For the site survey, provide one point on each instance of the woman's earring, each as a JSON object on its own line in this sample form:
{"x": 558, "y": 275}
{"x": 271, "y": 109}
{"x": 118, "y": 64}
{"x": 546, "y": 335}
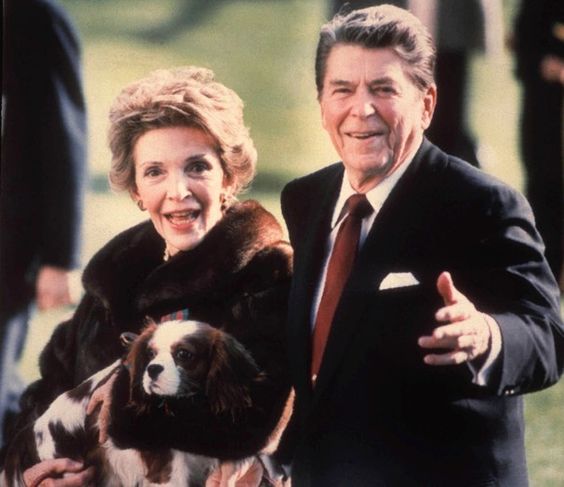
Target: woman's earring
{"x": 140, "y": 205}
{"x": 226, "y": 200}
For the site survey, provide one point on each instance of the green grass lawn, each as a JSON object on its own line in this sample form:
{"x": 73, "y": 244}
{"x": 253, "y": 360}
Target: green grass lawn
{"x": 265, "y": 50}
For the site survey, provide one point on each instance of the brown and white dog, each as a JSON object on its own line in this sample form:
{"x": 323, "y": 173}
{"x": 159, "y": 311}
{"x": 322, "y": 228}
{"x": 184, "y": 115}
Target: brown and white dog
{"x": 186, "y": 396}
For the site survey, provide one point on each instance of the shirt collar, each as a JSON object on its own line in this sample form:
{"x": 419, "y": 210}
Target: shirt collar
{"x": 376, "y": 196}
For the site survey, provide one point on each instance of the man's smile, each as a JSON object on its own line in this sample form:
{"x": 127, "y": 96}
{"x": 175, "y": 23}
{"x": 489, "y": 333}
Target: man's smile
{"x": 362, "y": 135}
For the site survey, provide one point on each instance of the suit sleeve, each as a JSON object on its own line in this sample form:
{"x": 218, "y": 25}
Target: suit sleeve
{"x": 510, "y": 280}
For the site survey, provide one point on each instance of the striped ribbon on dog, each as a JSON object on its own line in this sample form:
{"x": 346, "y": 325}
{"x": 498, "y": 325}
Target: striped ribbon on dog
{"x": 181, "y": 314}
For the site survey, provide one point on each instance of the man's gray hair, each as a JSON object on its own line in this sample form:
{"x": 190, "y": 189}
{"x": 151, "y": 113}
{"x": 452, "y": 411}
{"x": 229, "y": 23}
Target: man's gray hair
{"x": 383, "y": 26}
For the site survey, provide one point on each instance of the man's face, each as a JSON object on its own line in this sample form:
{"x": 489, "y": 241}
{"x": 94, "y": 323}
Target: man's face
{"x": 372, "y": 111}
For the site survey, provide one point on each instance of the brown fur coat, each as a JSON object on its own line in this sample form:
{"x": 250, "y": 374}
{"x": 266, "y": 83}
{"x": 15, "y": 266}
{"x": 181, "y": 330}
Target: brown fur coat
{"x": 237, "y": 279}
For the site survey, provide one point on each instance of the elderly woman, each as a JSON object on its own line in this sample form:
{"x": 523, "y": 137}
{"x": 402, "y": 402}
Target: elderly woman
{"x": 180, "y": 148}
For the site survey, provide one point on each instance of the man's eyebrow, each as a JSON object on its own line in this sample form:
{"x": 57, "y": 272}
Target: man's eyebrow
{"x": 340, "y": 82}
{"x": 385, "y": 80}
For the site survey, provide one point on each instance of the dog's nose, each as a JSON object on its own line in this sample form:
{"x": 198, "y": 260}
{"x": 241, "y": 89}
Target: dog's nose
{"x": 154, "y": 370}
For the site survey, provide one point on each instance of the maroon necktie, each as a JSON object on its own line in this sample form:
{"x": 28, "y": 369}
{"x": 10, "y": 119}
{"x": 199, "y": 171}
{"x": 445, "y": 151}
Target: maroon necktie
{"x": 338, "y": 270}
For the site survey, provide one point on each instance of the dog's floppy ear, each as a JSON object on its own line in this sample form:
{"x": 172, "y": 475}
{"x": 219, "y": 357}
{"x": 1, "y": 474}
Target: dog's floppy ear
{"x": 147, "y": 321}
{"x": 232, "y": 370}
{"x": 135, "y": 363}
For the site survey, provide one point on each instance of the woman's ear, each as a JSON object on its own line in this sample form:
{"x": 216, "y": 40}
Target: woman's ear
{"x": 227, "y": 186}
{"x": 226, "y": 197}
{"x": 134, "y": 194}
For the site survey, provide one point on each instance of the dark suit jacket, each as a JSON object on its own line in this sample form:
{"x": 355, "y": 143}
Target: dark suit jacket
{"x": 378, "y": 415}
{"x": 43, "y": 147}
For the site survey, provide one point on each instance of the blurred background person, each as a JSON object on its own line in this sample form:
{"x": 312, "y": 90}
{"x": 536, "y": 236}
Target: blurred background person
{"x": 460, "y": 28}
{"x": 43, "y": 164}
{"x": 539, "y": 52}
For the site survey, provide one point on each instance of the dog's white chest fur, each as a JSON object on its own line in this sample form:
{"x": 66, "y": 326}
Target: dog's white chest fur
{"x": 129, "y": 468}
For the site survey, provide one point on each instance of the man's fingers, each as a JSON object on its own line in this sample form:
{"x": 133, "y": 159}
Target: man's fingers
{"x": 446, "y": 288}
{"x": 454, "y": 330}
{"x": 462, "y": 341}
{"x": 452, "y": 358}
{"x": 465, "y": 336}
{"x": 455, "y": 312}
{"x": 448, "y": 343}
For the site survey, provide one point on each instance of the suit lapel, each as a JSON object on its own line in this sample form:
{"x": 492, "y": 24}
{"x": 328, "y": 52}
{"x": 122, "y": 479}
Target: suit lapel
{"x": 380, "y": 250}
{"x": 307, "y": 265}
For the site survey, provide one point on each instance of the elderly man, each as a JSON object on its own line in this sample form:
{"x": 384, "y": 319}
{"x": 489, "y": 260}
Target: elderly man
{"x": 422, "y": 306}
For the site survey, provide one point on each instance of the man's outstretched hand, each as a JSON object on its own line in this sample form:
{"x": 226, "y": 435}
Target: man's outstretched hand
{"x": 463, "y": 331}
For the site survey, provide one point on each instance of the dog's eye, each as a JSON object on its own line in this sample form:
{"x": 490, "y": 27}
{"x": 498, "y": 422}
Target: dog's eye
{"x": 183, "y": 355}
{"x": 151, "y": 353}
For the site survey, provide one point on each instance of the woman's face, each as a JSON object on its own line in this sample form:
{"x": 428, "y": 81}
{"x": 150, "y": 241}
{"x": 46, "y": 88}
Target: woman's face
{"x": 180, "y": 180}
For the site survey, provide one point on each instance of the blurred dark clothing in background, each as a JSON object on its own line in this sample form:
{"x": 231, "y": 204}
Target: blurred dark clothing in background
{"x": 42, "y": 168}
{"x": 539, "y": 52}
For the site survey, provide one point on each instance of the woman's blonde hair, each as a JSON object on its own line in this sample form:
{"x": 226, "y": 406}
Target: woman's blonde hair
{"x": 186, "y": 96}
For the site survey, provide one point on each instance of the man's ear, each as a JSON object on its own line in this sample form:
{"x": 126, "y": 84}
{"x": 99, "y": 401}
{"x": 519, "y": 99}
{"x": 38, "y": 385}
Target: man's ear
{"x": 429, "y": 104}
{"x": 322, "y": 111}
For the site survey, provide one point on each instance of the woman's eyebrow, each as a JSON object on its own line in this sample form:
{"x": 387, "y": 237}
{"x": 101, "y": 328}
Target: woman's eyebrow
{"x": 149, "y": 163}
{"x": 196, "y": 157}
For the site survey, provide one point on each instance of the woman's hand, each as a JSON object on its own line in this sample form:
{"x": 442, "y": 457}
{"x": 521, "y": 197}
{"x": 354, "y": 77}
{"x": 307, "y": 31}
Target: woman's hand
{"x": 61, "y": 472}
{"x": 102, "y": 397}
{"x": 244, "y": 473}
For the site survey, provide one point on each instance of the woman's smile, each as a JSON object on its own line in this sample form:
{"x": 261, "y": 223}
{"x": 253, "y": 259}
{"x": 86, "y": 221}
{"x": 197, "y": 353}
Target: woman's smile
{"x": 182, "y": 219}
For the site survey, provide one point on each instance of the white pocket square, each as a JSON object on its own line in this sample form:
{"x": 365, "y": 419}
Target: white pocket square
{"x": 398, "y": 279}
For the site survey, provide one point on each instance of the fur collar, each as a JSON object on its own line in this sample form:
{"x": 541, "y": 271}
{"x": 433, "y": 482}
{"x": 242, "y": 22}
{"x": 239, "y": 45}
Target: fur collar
{"x": 129, "y": 274}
